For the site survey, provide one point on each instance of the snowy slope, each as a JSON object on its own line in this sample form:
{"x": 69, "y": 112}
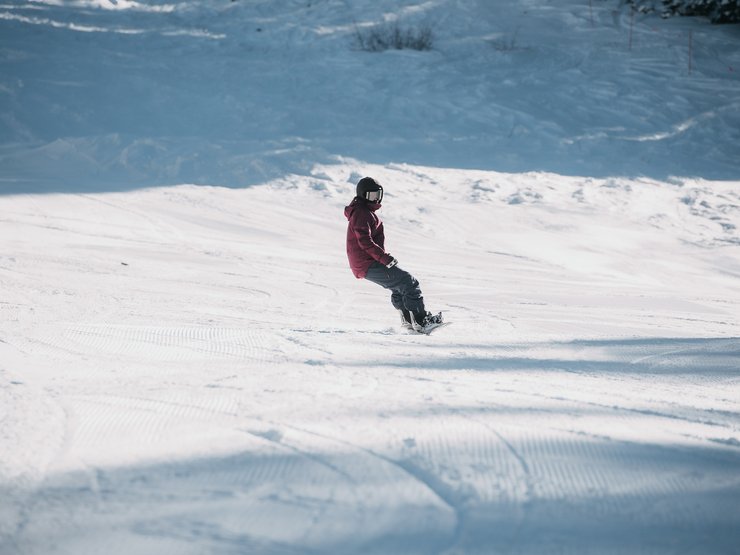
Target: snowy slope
{"x": 192, "y": 368}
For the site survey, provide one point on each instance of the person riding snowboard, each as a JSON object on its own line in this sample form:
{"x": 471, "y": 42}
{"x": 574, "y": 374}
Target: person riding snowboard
{"x": 369, "y": 260}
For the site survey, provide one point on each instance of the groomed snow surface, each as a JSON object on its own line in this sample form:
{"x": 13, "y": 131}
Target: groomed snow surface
{"x": 188, "y": 366}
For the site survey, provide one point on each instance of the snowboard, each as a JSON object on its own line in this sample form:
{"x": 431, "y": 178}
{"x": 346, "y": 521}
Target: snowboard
{"x": 431, "y": 330}
{"x": 440, "y": 323}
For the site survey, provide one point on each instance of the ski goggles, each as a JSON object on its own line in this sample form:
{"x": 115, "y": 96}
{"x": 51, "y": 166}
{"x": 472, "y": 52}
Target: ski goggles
{"x": 374, "y": 196}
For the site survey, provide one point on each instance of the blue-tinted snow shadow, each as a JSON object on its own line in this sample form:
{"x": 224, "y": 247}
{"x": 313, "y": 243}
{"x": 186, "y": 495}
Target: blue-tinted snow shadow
{"x": 669, "y": 356}
{"x": 311, "y": 503}
{"x": 120, "y": 163}
{"x": 235, "y": 112}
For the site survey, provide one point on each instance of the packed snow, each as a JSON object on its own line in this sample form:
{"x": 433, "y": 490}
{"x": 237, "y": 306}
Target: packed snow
{"x": 187, "y": 364}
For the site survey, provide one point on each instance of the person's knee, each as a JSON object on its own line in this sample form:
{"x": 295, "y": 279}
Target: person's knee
{"x": 411, "y": 282}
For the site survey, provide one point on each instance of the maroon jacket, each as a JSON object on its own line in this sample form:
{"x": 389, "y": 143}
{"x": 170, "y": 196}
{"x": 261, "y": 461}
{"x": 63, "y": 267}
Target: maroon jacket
{"x": 365, "y": 237}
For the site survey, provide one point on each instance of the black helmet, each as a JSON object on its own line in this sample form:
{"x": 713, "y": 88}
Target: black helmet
{"x": 370, "y": 190}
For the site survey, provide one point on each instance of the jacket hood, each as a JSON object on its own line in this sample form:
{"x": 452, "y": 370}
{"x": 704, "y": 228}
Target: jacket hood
{"x": 351, "y": 208}
{"x": 359, "y": 203}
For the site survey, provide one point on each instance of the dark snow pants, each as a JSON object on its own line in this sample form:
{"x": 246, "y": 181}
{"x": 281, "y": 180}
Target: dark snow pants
{"x": 406, "y": 293}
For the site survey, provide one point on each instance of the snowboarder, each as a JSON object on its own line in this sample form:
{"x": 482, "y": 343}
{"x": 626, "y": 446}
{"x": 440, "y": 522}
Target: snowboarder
{"x": 368, "y": 259}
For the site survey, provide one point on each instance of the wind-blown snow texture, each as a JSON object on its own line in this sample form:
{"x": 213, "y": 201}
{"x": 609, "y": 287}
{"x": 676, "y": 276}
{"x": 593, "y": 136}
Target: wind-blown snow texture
{"x": 233, "y": 93}
{"x": 192, "y": 368}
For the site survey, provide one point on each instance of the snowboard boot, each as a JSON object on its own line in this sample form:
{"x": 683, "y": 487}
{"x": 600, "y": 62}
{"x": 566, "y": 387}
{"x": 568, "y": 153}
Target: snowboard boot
{"x": 405, "y": 318}
{"x": 424, "y": 322}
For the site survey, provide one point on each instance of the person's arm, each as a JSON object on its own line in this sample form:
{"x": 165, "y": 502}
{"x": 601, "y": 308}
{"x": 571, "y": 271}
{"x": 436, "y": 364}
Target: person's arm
{"x": 362, "y": 228}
